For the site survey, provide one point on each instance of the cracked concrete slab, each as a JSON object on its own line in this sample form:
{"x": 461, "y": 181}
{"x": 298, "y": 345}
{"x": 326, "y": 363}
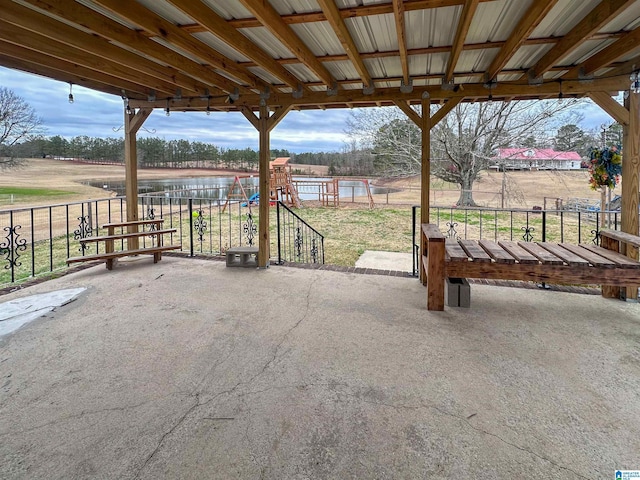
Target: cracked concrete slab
{"x": 188, "y": 369}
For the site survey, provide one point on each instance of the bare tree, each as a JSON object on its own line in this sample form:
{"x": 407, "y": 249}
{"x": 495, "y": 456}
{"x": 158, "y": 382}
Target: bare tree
{"x": 18, "y": 123}
{"x": 463, "y": 143}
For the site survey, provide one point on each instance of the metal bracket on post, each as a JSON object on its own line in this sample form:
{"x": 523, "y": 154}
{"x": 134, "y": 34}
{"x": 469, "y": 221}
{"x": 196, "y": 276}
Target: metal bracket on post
{"x": 151, "y": 97}
{"x": 449, "y": 86}
{"x": 333, "y": 91}
{"x": 369, "y": 90}
{"x": 297, "y": 93}
{"x": 534, "y": 80}
{"x": 406, "y": 88}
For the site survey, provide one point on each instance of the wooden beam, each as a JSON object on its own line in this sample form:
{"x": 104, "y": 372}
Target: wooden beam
{"x": 144, "y": 18}
{"x": 271, "y": 19}
{"x": 464, "y": 22}
{"x": 618, "y": 112}
{"x": 357, "y": 97}
{"x": 631, "y": 177}
{"x": 610, "y": 54}
{"x": 77, "y": 14}
{"x": 18, "y": 36}
{"x": 444, "y": 109}
{"x": 264, "y": 189}
{"x": 597, "y": 18}
{"x": 352, "y": 12}
{"x": 529, "y": 21}
{"x": 30, "y": 20}
{"x": 398, "y": 14}
{"x": 138, "y": 119}
{"x": 249, "y": 115}
{"x": 336, "y": 21}
{"x": 409, "y": 112}
{"x": 425, "y": 173}
{"x": 41, "y": 64}
{"x": 219, "y": 27}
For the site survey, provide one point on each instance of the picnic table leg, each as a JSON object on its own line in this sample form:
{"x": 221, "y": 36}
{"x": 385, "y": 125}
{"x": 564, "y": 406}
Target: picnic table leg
{"x": 610, "y": 244}
{"x": 435, "y": 276}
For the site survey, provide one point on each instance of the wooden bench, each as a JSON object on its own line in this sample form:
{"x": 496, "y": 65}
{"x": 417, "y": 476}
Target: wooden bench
{"x": 111, "y": 255}
{"x": 605, "y": 265}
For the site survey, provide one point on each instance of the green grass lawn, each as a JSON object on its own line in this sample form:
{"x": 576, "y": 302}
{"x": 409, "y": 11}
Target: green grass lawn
{"x": 25, "y": 194}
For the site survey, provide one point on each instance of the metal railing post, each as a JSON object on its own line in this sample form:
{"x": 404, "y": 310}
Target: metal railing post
{"x": 191, "y": 226}
{"x": 278, "y": 229}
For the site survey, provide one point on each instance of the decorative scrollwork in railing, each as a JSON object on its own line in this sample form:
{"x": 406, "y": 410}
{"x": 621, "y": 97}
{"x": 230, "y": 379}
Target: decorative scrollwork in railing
{"x": 200, "y": 225}
{"x": 596, "y": 237}
{"x": 250, "y": 229}
{"x": 452, "y": 232}
{"x": 84, "y": 230}
{"x": 12, "y": 247}
{"x": 298, "y": 242}
{"x": 528, "y": 235}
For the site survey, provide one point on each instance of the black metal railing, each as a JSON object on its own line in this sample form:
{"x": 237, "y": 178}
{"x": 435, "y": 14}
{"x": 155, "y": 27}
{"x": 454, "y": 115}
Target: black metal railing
{"x": 297, "y": 241}
{"x": 528, "y": 225}
{"x": 37, "y": 241}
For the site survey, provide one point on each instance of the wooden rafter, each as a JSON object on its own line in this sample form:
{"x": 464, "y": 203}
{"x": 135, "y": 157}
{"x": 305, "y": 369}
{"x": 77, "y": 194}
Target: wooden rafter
{"x": 77, "y": 14}
{"x": 15, "y": 35}
{"x": 155, "y": 25}
{"x": 218, "y": 26}
{"x": 398, "y": 14}
{"x": 530, "y": 20}
{"x": 597, "y": 18}
{"x": 444, "y": 109}
{"x": 610, "y": 54}
{"x": 271, "y": 19}
{"x": 609, "y": 105}
{"x": 340, "y": 28}
{"x": 409, "y": 112}
{"x": 464, "y": 22}
{"x": 28, "y": 19}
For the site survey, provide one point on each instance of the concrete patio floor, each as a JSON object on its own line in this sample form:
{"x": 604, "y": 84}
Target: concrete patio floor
{"x": 188, "y": 369}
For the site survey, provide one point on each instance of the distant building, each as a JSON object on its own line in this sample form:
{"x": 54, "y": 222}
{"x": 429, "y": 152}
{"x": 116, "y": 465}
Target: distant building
{"x": 535, "y": 159}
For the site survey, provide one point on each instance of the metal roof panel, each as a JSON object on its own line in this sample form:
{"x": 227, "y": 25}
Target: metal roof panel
{"x": 424, "y": 27}
{"x": 220, "y": 46}
{"x": 266, "y": 41}
{"x": 167, "y": 11}
{"x": 319, "y": 37}
{"x": 494, "y": 21}
{"x": 563, "y": 17}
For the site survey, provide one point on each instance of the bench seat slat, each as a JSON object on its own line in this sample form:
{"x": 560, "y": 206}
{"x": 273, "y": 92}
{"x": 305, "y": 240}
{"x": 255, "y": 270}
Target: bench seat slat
{"x": 123, "y": 253}
{"x": 620, "y": 260}
{"x": 157, "y": 221}
{"x": 519, "y": 253}
{"x": 627, "y": 238}
{"x": 474, "y": 251}
{"x": 495, "y": 251}
{"x": 454, "y": 251}
{"x": 545, "y": 256}
{"x": 593, "y": 258}
{"x": 126, "y": 235}
{"x": 568, "y": 257}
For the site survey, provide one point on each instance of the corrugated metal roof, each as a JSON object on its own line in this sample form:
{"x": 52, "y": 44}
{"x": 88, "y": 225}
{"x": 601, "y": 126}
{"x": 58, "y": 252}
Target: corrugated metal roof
{"x": 342, "y": 70}
{"x": 228, "y": 9}
{"x": 220, "y": 46}
{"x": 583, "y": 51}
{"x": 422, "y": 27}
{"x": 319, "y": 37}
{"x": 475, "y": 60}
{"x": 384, "y": 67}
{"x": 628, "y": 20}
{"x": 167, "y": 11}
{"x": 376, "y": 33}
{"x": 288, "y": 7}
{"x": 494, "y": 21}
{"x": 563, "y": 17}
{"x": 527, "y": 56}
{"x": 103, "y": 11}
{"x": 266, "y": 41}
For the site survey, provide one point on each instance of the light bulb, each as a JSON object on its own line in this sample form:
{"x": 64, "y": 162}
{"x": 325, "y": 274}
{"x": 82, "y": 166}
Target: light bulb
{"x": 71, "y": 98}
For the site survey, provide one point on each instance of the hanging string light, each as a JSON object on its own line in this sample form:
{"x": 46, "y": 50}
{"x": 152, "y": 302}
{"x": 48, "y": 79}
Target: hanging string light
{"x": 560, "y": 95}
{"x": 70, "y": 92}
{"x": 208, "y": 105}
{"x": 167, "y": 110}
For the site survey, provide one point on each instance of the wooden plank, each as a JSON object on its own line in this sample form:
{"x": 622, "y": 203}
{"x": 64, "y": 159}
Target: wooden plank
{"x": 519, "y": 253}
{"x": 122, "y": 253}
{"x": 565, "y": 274}
{"x": 474, "y": 251}
{"x": 454, "y": 251}
{"x": 432, "y": 232}
{"x": 567, "y": 257}
{"x": 123, "y": 236}
{"x": 435, "y": 276}
{"x": 621, "y": 261}
{"x": 621, "y": 237}
{"x": 593, "y": 258}
{"x": 156, "y": 221}
{"x": 495, "y": 251}
{"x": 541, "y": 254}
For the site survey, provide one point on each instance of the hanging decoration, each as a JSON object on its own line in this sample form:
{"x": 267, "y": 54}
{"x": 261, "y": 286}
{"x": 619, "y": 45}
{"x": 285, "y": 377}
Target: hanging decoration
{"x": 605, "y": 167}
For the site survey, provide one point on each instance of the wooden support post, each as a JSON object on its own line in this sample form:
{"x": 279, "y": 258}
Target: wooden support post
{"x": 426, "y": 171}
{"x": 630, "y": 177}
{"x": 265, "y": 157}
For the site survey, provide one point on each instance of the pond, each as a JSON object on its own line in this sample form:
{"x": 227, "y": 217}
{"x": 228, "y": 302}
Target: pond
{"x": 217, "y": 188}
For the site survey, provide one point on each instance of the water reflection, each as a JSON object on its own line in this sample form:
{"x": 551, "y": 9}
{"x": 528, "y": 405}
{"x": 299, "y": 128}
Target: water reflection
{"x": 217, "y": 188}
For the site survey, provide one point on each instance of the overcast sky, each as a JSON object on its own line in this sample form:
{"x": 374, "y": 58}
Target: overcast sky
{"x": 96, "y": 115}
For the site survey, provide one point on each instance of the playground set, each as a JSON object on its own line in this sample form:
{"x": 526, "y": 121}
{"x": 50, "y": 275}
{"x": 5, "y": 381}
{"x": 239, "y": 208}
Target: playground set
{"x": 282, "y": 187}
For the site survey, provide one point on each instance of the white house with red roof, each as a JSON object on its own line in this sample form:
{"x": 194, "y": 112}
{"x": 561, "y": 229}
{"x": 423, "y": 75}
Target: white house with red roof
{"x": 535, "y": 159}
